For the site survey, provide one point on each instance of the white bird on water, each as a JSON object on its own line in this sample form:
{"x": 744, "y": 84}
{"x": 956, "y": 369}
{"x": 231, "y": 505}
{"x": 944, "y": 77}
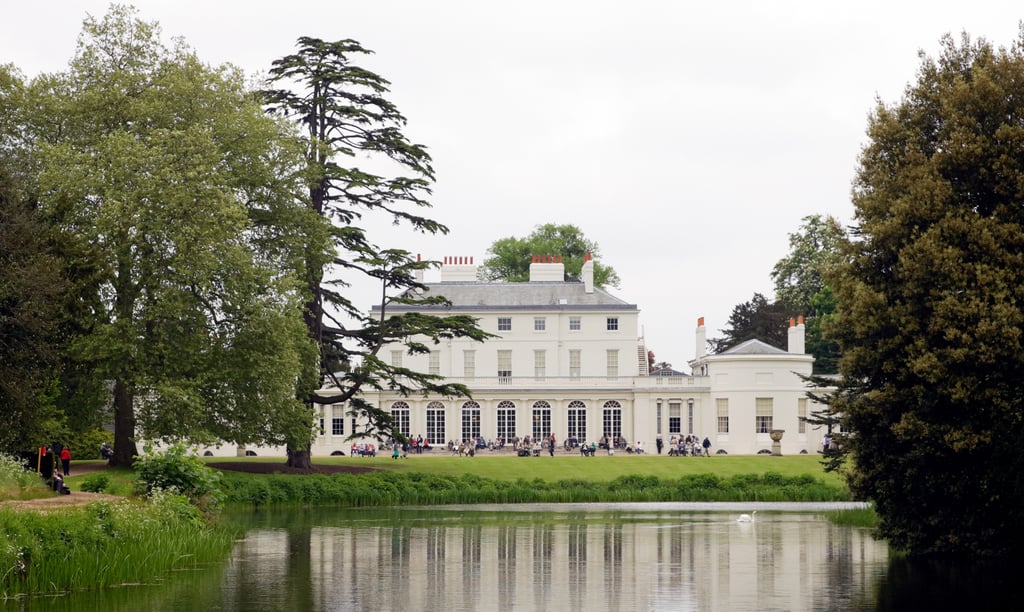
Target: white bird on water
{"x": 746, "y": 518}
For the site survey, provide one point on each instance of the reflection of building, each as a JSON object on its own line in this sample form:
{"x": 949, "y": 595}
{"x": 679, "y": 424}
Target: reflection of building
{"x": 568, "y": 359}
{"x": 523, "y": 561}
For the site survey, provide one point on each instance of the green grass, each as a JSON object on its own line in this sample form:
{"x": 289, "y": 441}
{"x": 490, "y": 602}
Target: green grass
{"x": 601, "y": 468}
{"x": 857, "y": 517}
{"x": 104, "y": 544}
{"x": 564, "y": 478}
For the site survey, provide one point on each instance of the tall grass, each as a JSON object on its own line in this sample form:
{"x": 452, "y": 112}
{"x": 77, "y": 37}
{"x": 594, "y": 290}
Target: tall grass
{"x": 854, "y": 517}
{"x": 18, "y": 483}
{"x": 104, "y": 544}
{"x": 414, "y": 488}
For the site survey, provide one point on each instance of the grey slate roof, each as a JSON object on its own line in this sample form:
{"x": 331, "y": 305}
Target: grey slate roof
{"x": 754, "y": 347}
{"x": 543, "y": 295}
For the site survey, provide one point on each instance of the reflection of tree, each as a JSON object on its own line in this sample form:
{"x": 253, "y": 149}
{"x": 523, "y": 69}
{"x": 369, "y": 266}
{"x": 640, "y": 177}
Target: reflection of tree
{"x": 613, "y": 565}
{"x": 506, "y": 567}
{"x": 542, "y": 551}
{"x": 577, "y": 551}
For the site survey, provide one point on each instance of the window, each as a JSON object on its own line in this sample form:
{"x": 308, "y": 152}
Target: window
{"x": 574, "y": 363}
{"x": 675, "y": 421}
{"x": 576, "y": 426}
{"x": 801, "y": 415}
{"x": 763, "y": 418}
{"x": 613, "y": 324}
{"x": 541, "y": 420}
{"x": 434, "y": 364}
{"x": 321, "y": 425}
{"x": 400, "y": 414}
{"x": 396, "y": 359}
{"x": 469, "y": 364}
{"x": 435, "y": 423}
{"x": 470, "y": 421}
{"x": 338, "y": 420}
{"x": 539, "y": 364}
{"x": 574, "y": 324}
{"x": 657, "y": 417}
{"x": 722, "y": 407}
{"x": 504, "y": 367}
{"x": 506, "y": 420}
{"x": 504, "y": 323}
{"x": 612, "y": 418}
{"x": 539, "y": 324}
{"x": 613, "y": 363}
{"x": 689, "y": 416}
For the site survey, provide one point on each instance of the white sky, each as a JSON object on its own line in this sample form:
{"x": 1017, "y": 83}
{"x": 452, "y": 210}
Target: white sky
{"x": 688, "y": 139}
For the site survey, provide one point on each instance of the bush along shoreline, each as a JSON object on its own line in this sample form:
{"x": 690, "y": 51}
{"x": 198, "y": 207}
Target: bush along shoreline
{"x": 105, "y": 543}
{"x": 409, "y": 488}
{"x": 172, "y": 523}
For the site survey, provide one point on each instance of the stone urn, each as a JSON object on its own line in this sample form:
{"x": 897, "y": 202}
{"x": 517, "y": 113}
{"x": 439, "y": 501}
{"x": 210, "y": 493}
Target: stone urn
{"x": 776, "y": 435}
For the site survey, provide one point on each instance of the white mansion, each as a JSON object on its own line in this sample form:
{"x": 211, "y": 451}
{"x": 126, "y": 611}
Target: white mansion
{"x": 568, "y": 360}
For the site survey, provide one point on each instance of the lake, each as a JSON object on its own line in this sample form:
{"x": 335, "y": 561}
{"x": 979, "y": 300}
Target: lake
{"x": 639, "y": 556}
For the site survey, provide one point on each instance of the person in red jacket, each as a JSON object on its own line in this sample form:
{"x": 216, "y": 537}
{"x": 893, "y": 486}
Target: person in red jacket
{"x": 65, "y": 460}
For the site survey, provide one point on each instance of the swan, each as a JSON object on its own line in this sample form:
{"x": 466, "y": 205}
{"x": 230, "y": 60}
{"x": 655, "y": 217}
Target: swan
{"x": 746, "y": 518}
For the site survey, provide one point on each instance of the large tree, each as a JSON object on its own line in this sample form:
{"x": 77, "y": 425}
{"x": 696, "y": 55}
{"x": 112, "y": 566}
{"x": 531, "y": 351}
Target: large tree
{"x": 342, "y": 108}
{"x": 800, "y": 287}
{"x": 32, "y": 290}
{"x": 510, "y": 257}
{"x": 758, "y": 319}
{"x": 931, "y": 323}
{"x": 174, "y": 189}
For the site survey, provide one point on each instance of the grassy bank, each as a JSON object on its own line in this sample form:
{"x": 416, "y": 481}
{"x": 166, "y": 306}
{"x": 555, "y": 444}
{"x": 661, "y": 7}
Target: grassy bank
{"x": 390, "y": 488}
{"x": 104, "y": 544}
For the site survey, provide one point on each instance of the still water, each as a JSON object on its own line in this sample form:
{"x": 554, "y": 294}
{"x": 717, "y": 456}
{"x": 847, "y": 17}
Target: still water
{"x": 553, "y": 557}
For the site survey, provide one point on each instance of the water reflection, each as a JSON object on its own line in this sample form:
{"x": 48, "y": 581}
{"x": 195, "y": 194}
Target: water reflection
{"x": 472, "y": 560}
{"x": 642, "y": 557}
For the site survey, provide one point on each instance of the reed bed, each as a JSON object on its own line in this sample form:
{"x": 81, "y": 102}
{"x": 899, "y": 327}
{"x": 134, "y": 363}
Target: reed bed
{"x": 413, "y": 488}
{"x": 103, "y": 544}
{"x": 855, "y": 517}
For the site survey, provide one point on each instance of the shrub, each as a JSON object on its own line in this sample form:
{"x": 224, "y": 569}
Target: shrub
{"x": 95, "y": 483}
{"x": 174, "y": 470}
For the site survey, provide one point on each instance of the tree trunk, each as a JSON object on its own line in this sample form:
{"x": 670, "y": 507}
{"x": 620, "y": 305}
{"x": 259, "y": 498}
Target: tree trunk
{"x": 124, "y": 425}
{"x": 300, "y": 458}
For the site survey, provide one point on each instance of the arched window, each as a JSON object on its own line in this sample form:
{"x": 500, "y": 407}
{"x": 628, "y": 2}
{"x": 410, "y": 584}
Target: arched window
{"x": 470, "y": 420}
{"x": 541, "y": 419}
{"x": 435, "y": 423}
{"x": 400, "y": 414}
{"x": 506, "y": 420}
{"x": 611, "y": 419}
{"x": 576, "y": 422}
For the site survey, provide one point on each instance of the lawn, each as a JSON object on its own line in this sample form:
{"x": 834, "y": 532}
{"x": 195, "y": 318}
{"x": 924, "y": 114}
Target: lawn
{"x": 598, "y": 468}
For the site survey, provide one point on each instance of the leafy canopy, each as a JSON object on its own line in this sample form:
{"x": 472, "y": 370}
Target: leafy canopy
{"x": 347, "y": 119}
{"x": 929, "y": 316}
{"x": 510, "y": 257}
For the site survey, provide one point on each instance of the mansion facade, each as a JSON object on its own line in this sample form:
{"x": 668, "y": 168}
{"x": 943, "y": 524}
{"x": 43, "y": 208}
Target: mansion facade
{"x": 567, "y": 359}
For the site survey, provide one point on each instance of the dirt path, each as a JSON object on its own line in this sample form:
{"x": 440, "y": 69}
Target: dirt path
{"x": 55, "y": 502}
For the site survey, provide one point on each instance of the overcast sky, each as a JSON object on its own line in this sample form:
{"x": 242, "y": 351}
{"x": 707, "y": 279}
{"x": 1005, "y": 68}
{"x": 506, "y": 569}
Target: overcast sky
{"x": 688, "y": 139}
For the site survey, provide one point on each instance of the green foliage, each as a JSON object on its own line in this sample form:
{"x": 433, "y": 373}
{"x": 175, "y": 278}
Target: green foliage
{"x": 343, "y": 110}
{"x": 15, "y": 480}
{"x": 182, "y": 236}
{"x": 757, "y": 319}
{"x": 176, "y": 470}
{"x": 104, "y": 544}
{"x": 510, "y": 257}
{"x": 95, "y": 483}
{"x": 412, "y": 488}
{"x": 32, "y": 288}
{"x": 929, "y": 314}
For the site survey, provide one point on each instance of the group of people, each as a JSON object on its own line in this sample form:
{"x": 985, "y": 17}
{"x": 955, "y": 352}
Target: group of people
{"x": 690, "y": 445}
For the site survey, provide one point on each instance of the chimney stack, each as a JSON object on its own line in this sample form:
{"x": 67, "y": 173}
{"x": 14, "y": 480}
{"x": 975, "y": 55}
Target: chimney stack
{"x": 547, "y": 268}
{"x": 458, "y": 269}
{"x": 702, "y": 339}
{"x": 587, "y": 274}
{"x": 796, "y": 335}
